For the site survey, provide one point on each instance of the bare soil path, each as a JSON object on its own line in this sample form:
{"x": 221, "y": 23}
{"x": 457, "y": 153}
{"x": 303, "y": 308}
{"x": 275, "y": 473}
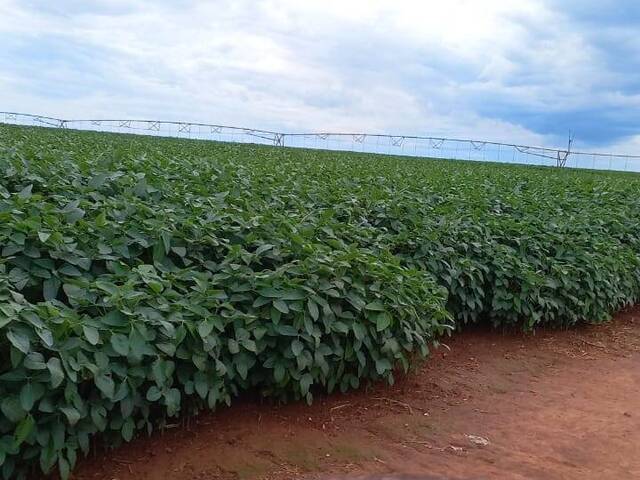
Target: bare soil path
{"x": 555, "y": 405}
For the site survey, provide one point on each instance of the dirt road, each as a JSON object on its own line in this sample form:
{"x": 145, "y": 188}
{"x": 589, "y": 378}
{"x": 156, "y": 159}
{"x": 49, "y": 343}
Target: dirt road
{"x": 557, "y": 405}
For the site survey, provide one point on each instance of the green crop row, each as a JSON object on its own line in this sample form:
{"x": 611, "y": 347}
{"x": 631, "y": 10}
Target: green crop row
{"x": 142, "y": 278}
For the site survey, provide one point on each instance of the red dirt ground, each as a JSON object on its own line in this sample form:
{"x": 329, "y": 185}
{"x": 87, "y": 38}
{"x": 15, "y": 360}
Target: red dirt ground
{"x": 555, "y": 405}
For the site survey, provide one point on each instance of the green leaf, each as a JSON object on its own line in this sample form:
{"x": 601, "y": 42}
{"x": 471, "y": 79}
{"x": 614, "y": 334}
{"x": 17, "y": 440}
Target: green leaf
{"x": 19, "y": 341}
{"x": 383, "y": 365}
{"x": 259, "y": 332}
{"x": 101, "y": 219}
{"x": 172, "y": 400}
{"x": 12, "y": 409}
{"x": 138, "y": 347}
{"x": 278, "y": 373}
{"x": 120, "y": 344}
{"x": 305, "y": 383}
{"x": 97, "y": 180}
{"x": 24, "y": 429}
{"x": 48, "y": 457}
{"x": 241, "y": 366}
{"x": 313, "y": 309}
{"x": 201, "y": 384}
{"x": 25, "y": 192}
{"x": 73, "y": 215}
{"x": 73, "y": 416}
{"x": 44, "y": 236}
{"x": 359, "y": 330}
{"x": 153, "y": 394}
{"x": 127, "y": 429}
{"x": 104, "y": 249}
{"x": 383, "y": 321}
{"x": 281, "y": 306}
{"x": 19, "y": 278}
{"x": 55, "y": 370}
{"x": 50, "y": 288}
{"x": 5, "y": 321}
{"x": 27, "y": 397}
{"x": 109, "y": 287}
{"x": 293, "y": 295}
{"x": 10, "y": 250}
{"x": 166, "y": 347}
{"x": 270, "y": 293}
{"x": 166, "y": 242}
{"x": 105, "y": 384}
{"x": 287, "y": 330}
{"x": 46, "y": 336}
{"x": 91, "y": 334}
{"x": 249, "y": 345}
{"x": 159, "y": 253}
{"x": 297, "y": 347}
{"x": 205, "y": 328}
{"x": 70, "y": 271}
{"x": 263, "y": 248}
{"x": 233, "y": 346}
{"x": 375, "y": 306}
{"x": 63, "y": 468}
{"x": 340, "y": 327}
{"x": 34, "y": 361}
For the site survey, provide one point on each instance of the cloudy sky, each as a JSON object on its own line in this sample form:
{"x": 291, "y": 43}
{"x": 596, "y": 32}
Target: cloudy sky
{"x": 513, "y": 70}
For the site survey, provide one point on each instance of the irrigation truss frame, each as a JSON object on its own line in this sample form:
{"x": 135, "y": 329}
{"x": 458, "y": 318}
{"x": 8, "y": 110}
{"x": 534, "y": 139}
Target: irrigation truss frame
{"x": 411, "y": 145}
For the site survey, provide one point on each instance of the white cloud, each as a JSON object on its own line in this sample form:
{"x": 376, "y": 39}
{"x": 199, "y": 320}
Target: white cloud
{"x": 362, "y": 65}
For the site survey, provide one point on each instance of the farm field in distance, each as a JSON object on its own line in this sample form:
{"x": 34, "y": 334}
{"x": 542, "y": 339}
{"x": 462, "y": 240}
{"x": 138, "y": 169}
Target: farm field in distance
{"x": 145, "y": 278}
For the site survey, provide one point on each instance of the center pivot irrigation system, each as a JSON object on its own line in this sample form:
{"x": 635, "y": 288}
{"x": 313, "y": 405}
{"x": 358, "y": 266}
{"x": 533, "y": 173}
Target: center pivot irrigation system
{"x": 410, "y": 145}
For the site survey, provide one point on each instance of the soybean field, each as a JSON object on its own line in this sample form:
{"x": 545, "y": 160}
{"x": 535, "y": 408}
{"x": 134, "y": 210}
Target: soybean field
{"x": 142, "y": 279}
